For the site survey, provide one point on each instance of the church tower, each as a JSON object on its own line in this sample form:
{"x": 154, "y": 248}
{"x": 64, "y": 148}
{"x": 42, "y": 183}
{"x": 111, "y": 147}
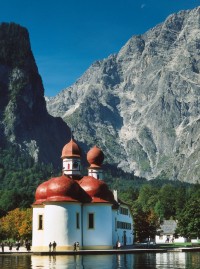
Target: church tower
{"x": 95, "y": 158}
{"x": 71, "y": 156}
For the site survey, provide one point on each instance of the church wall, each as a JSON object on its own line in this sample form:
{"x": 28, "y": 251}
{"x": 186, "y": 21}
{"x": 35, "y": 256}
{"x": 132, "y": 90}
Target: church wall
{"x": 38, "y": 234}
{"x": 96, "y": 173}
{"x": 99, "y": 237}
{"x": 115, "y": 235}
{"x": 122, "y": 226}
{"x": 60, "y": 224}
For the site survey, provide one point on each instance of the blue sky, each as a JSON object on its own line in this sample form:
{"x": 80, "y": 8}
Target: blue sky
{"x": 67, "y": 36}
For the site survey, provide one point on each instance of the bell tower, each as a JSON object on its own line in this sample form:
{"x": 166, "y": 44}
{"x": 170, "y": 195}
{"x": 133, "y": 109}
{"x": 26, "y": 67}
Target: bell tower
{"x": 71, "y": 156}
{"x": 95, "y": 158}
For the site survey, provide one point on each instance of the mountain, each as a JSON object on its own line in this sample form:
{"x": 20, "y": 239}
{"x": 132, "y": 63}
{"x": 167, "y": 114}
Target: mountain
{"x": 24, "y": 120}
{"x": 141, "y": 105}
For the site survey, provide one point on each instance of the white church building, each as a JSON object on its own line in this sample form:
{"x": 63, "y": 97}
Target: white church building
{"x": 76, "y": 208}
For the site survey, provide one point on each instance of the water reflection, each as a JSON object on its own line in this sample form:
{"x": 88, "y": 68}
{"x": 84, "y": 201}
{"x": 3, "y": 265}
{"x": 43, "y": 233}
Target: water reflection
{"x": 177, "y": 260}
{"x": 55, "y": 262}
{"x": 15, "y": 262}
{"x": 169, "y": 260}
{"x": 83, "y": 262}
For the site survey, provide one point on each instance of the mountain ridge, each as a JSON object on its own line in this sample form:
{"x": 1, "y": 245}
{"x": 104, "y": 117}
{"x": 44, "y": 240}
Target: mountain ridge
{"x": 24, "y": 120}
{"x": 141, "y": 105}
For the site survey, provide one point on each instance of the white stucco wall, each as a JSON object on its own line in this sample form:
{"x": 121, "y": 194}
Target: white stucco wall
{"x": 162, "y": 239}
{"x": 96, "y": 173}
{"x": 60, "y": 224}
{"x": 101, "y": 235}
{"x": 118, "y": 233}
{"x": 68, "y": 167}
{"x": 38, "y": 235}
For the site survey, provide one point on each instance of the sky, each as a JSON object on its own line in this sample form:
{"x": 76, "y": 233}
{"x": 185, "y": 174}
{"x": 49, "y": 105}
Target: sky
{"x": 67, "y": 36}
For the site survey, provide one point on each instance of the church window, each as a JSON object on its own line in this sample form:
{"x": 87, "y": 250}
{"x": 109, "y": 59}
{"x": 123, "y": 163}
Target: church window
{"x": 115, "y": 224}
{"x": 77, "y": 221}
{"x": 40, "y": 222}
{"x": 75, "y": 165}
{"x": 123, "y": 225}
{"x": 124, "y": 211}
{"x": 91, "y": 221}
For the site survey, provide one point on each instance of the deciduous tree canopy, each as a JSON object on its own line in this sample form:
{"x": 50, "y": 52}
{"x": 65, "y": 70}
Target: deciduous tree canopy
{"x": 17, "y": 224}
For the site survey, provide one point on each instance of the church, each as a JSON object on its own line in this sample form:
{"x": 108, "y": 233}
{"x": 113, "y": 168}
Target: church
{"x": 80, "y": 208}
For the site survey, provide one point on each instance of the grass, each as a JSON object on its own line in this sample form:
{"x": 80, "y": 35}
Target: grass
{"x": 179, "y": 245}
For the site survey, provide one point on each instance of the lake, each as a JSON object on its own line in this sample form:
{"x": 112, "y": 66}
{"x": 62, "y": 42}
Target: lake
{"x": 170, "y": 260}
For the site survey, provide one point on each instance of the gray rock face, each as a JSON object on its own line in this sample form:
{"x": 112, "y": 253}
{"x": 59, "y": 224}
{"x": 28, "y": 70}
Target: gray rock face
{"x": 142, "y": 105}
{"x": 24, "y": 119}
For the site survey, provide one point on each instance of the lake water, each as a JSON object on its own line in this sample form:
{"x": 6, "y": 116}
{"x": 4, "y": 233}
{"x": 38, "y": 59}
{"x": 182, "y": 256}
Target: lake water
{"x": 170, "y": 260}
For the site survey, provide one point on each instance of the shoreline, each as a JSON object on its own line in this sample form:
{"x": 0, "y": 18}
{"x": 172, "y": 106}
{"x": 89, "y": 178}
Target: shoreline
{"x": 129, "y": 250}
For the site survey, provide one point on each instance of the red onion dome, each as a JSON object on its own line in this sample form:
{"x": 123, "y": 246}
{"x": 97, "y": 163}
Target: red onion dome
{"x": 97, "y": 189}
{"x": 41, "y": 193}
{"x": 71, "y": 149}
{"x": 64, "y": 188}
{"x": 95, "y": 156}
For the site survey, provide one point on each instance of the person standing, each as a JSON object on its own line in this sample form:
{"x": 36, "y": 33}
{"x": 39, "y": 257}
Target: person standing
{"x": 118, "y": 244}
{"x": 2, "y": 246}
{"x": 54, "y": 246}
{"x": 10, "y": 246}
{"x": 18, "y": 245}
{"x": 50, "y": 245}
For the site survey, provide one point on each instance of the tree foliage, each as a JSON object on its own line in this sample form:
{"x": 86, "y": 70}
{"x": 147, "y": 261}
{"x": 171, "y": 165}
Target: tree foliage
{"x": 17, "y": 224}
{"x": 145, "y": 223}
{"x": 151, "y": 201}
{"x": 189, "y": 219}
{"x": 157, "y": 200}
{"x": 19, "y": 178}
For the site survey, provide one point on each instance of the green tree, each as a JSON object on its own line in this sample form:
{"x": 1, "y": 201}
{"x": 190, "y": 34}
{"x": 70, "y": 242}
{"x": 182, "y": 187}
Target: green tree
{"x": 146, "y": 223}
{"x": 180, "y": 199}
{"x": 148, "y": 196}
{"x": 159, "y": 210}
{"x": 167, "y": 198}
{"x": 189, "y": 219}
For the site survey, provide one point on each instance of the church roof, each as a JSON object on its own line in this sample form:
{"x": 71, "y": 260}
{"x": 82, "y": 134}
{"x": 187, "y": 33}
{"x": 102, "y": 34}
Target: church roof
{"x": 75, "y": 189}
{"x": 96, "y": 189}
{"x": 95, "y": 157}
{"x": 41, "y": 193}
{"x": 71, "y": 149}
{"x": 60, "y": 189}
{"x": 63, "y": 188}
{"x": 168, "y": 227}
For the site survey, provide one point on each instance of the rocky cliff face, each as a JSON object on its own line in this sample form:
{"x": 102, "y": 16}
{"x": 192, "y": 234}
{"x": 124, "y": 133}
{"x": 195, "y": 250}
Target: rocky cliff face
{"x": 142, "y": 104}
{"x": 24, "y": 119}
